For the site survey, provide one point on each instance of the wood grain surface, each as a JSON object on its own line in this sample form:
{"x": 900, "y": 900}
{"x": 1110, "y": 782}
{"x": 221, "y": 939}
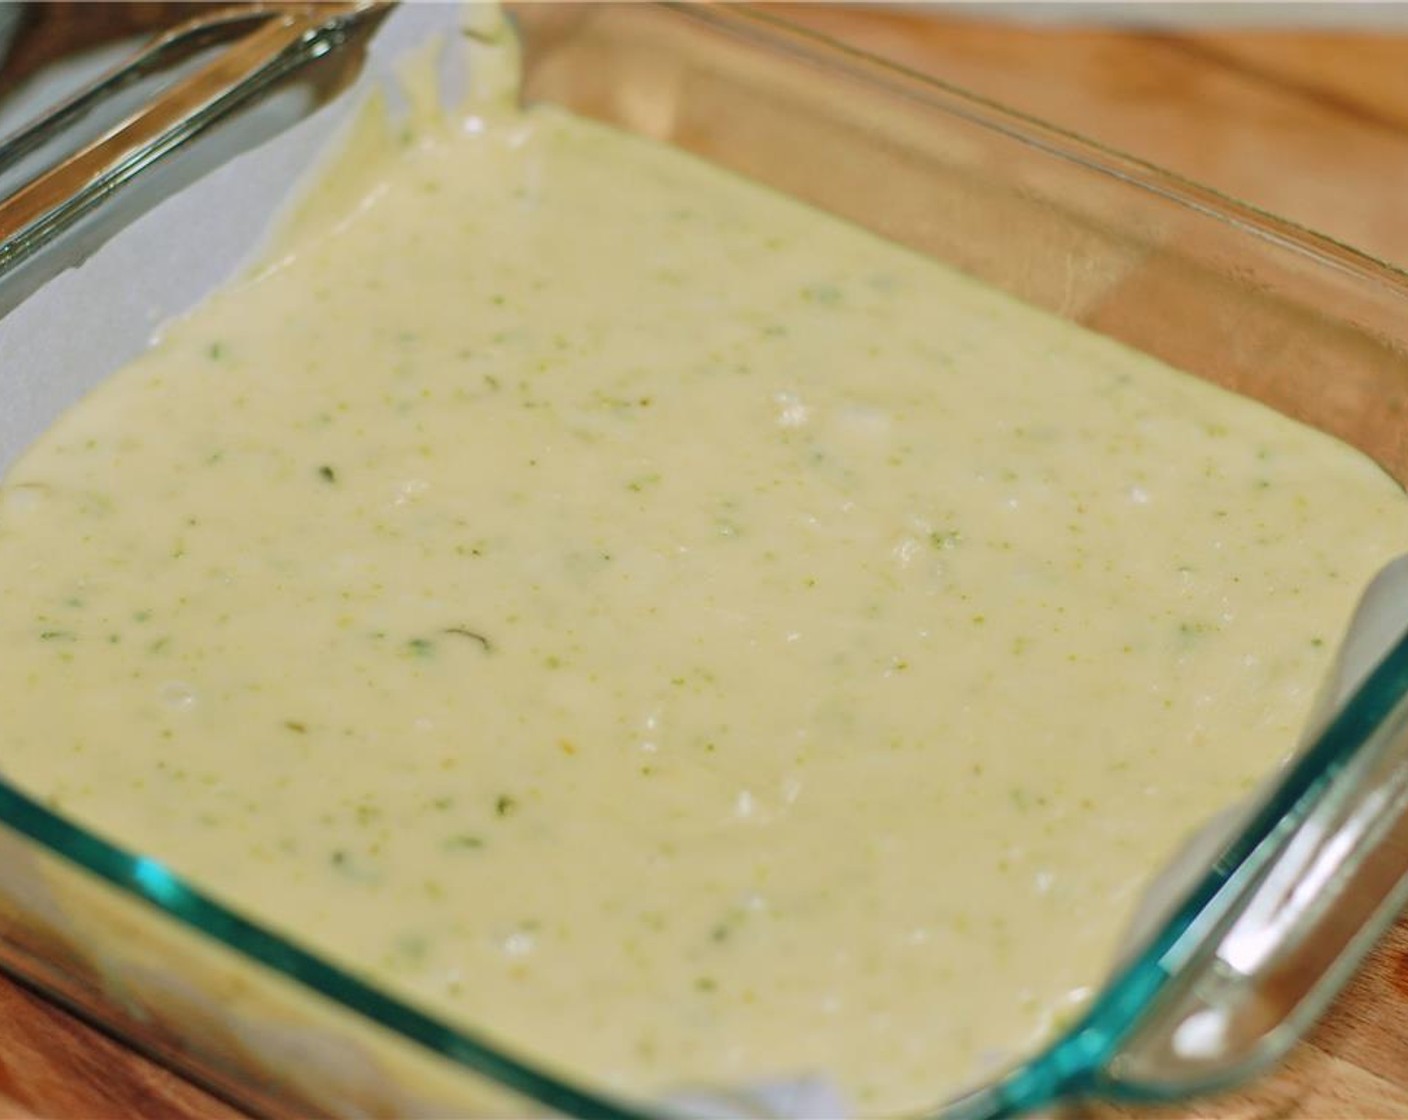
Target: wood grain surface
{"x": 1310, "y": 124}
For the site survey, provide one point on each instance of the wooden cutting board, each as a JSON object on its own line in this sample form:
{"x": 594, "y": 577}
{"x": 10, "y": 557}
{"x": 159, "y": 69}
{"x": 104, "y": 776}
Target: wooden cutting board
{"x": 1310, "y": 124}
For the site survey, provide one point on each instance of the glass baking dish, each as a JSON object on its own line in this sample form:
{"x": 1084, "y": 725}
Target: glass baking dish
{"x": 1246, "y": 938}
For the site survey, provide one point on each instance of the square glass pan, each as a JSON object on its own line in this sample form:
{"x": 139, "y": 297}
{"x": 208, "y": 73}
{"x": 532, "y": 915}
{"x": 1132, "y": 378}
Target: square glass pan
{"x": 1309, "y": 327}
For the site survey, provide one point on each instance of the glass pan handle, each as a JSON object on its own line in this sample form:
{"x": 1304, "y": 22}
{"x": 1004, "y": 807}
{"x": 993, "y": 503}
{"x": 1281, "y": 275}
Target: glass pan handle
{"x": 1317, "y": 893}
{"x": 276, "y": 41}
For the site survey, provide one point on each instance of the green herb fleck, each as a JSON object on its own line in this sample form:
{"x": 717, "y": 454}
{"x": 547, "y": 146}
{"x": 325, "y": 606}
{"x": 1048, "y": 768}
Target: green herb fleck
{"x": 471, "y": 635}
{"x": 824, "y": 294}
{"x": 366, "y": 815}
{"x": 505, "y": 805}
{"x": 328, "y": 474}
{"x": 636, "y": 485}
{"x": 353, "y": 868}
{"x": 464, "y": 843}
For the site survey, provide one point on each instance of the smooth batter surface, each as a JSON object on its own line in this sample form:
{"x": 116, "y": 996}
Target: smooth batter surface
{"x": 669, "y": 629}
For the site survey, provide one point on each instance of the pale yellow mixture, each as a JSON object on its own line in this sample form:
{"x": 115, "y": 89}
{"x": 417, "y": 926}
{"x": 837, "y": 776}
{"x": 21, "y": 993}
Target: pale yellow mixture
{"x": 664, "y": 627}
